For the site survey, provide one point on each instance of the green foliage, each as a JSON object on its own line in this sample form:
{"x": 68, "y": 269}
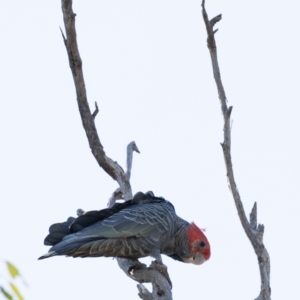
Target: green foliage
{"x": 14, "y": 272}
{"x": 14, "y": 293}
{"x": 6, "y": 294}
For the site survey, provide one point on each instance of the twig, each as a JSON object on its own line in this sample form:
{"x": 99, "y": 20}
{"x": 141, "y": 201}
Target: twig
{"x": 215, "y": 20}
{"x": 63, "y": 36}
{"x": 95, "y": 111}
{"x": 253, "y": 232}
{"x": 130, "y": 149}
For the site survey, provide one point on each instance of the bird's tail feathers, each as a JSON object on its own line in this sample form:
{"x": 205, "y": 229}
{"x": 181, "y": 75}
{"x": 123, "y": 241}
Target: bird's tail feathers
{"x": 68, "y": 246}
{"x": 47, "y": 255}
{"x": 57, "y": 232}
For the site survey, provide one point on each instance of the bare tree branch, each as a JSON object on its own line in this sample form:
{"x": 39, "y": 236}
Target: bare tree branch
{"x": 140, "y": 273}
{"x": 136, "y": 271}
{"x": 118, "y": 194}
{"x": 253, "y": 232}
{"x": 109, "y": 166}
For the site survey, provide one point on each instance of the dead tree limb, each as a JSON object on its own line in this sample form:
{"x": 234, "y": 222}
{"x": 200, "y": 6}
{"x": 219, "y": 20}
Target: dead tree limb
{"x": 118, "y": 194}
{"x": 253, "y": 231}
{"x": 109, "y": 166}
{"x": 140, "y": 273}
{"x": 136, "y": 271}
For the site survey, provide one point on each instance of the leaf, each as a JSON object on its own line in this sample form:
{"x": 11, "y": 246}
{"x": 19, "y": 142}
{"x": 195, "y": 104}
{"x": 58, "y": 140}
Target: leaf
{"x": 6, "y": 294}
{"x": 14, "y": 272}
{"x": 16, "y": 291}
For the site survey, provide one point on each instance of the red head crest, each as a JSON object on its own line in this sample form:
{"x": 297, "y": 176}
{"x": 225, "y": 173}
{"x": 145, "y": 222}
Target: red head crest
{"x": 198, "y": 241}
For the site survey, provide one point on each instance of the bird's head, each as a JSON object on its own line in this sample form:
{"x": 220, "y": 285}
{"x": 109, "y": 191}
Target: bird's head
{"x": 199, "y": 245}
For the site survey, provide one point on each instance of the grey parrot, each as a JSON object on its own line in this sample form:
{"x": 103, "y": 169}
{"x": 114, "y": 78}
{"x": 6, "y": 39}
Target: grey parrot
{"x": 144, "y": 226}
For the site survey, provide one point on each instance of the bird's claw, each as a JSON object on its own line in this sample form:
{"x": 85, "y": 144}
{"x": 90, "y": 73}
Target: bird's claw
{"x": 136, "y": 265}
{"x": 162, "y": 269}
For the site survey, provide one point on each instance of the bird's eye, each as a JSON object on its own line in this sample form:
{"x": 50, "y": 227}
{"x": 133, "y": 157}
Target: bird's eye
{"x": 202, "y": 244}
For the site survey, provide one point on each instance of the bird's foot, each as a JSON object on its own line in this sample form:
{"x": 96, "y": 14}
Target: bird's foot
{"x": 162, "y": 269}
{"x": 136, "y": 265}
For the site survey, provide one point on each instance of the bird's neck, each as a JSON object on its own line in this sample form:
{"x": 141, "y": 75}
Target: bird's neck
{"x": 182, "y": 247}
{"x": 180, "y": 241}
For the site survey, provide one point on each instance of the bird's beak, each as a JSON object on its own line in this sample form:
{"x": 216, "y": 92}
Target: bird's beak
{"x": 196, "y": 259}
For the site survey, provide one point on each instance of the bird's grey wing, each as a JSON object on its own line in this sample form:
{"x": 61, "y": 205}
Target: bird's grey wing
{"x": 135, "y": 221}
{"x": 118, "y": 233}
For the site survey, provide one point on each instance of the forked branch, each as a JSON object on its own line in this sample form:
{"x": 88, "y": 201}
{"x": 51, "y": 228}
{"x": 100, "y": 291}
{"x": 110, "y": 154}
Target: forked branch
{"x": 253, "y": 232}
{"x": 138, "y": 272}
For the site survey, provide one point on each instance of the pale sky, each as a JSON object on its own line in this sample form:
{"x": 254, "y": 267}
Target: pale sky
{"x": 147, "y": 65}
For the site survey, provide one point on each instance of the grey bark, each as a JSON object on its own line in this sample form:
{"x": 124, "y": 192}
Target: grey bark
{"x": 118, "y": 194}
{"x": 253, "y": 231}
{"x": 136, "y": 271}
